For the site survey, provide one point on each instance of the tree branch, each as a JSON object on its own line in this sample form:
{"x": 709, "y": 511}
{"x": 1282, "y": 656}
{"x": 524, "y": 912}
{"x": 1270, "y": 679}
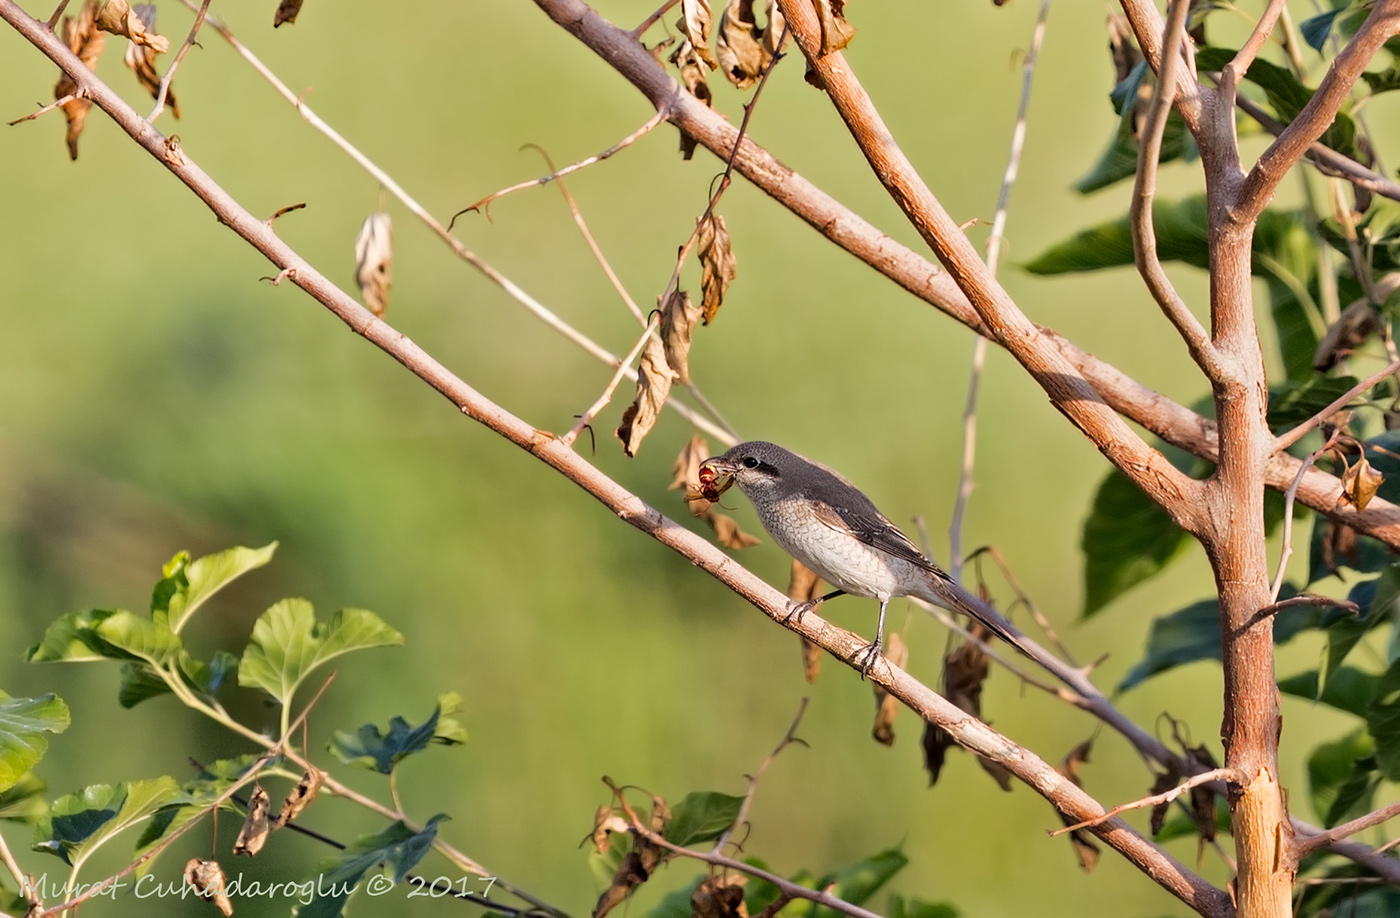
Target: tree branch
{"x": 1309, "y": 844}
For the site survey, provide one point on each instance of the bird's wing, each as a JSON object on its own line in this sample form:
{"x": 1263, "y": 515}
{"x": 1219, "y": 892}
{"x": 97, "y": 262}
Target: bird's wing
{"x": 870, "y": 526}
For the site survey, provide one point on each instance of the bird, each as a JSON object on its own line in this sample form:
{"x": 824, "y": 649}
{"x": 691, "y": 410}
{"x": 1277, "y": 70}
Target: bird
{"x": 828, "y": 524}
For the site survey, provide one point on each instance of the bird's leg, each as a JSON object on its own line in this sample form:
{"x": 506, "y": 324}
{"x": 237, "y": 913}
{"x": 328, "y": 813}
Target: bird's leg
{"x": 800, "y": 609}
{"x": 872, "y": 653}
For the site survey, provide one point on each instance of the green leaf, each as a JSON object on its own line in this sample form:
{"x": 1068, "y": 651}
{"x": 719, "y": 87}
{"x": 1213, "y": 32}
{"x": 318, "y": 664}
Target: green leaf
{"x": 1383, "y": 722}
{"x": 23, "y": 723}
{"x": 397, "y": 847}
{"x": 381, "y": 752}
{"x": 1345, "y": 634}
{"x": 917, "y": 908}
{"x": 1349, "y": 689}
{"x": 24, "y": 801}
{"x": 1119, "y": 159}
{"x": 702, "y": 816}
{"x": 859, "y": 881}
{"x": 78, "y": 824}
{"x": 72, "y": 638}
{"x": 1293, "y": 402}
{"x": 1387, "y": 80}
{"x": 195, "y": 797}
{"x": 1285, "y": 94}
{"x": 140, "y": 683}
{"x": 1315, "y": 29}
{"x": 676, "y": 903}
{"x": 140, "y": 637}
{"x": 187, "y": 585}
{"x": 1127, "y": 539}
{"x": 1342, "y": 777}
{"x": 288, "y": 644}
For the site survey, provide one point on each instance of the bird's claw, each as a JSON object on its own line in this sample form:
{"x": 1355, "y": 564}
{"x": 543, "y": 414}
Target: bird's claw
{"x": 871, "y": 653}
{"x": 799, "y": 609}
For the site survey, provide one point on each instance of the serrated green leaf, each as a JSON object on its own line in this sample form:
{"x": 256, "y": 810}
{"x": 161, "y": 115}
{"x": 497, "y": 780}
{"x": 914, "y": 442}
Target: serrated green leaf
{"x": 1127, "y": 538}
{"x": 1349, "y": 689}
{"x": 140, "y": 637}
{"x": 72, "y": 638}
{"x": 288, "y": 644}
{"x": 23, "y": 723}
{"x": 381, "y": 752}
{"x": 702, "y": 816}
{"x": 188, "y": 584}
{"x": 857, "y": 882}
{"x": 397, "y": 847}
{"x": 78, "y": 824}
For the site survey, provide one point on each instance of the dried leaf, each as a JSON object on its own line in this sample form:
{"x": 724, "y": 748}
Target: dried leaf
{"x": 1085, "y": 848}
{"x": 805, "y": 586}
{"x": 654, "y": 378}
{"x": 299, "y": 798}
{"x": 719, "y": 896}
{"x": 694, "y": 25}
{"x": 776, "y": 29}
{"x": 142, "y": 60}
{"x": 692, "y": 72}
{"x": 1070, "y": 765}
{"x": 936, "y": 743}
{"x": 678, "y": 318}
{"x": 739, "y": 47}
{"x": 206, "y": 879}
{"x": 685, "y": 473}
{"x": 605, "y": 822}
{"x": 811, "y": 661}
{"x": 716, "y": 264}
{"x": 1356, "y": 323}
{"x": 728, "y": 533}
{"x": 117, "y": 17}
{"x": 836, "y": 31}
{"x": 374, "y": 258}
{"x": 1202, "y": 797}
{"x": 255, "y": 826}
{"x": 83, "y": 39}
{"x": 886, "y": 705}
{"x": 628, "y": 877}
{"x": 1165, "y": 781}
{"x": 286, "y": 12}
{"x": 964, "y": 671}
{"x": 1359, "y": 483}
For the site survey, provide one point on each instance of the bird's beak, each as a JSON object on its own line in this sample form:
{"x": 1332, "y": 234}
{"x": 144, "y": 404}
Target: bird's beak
{"x": 716, "y": 477}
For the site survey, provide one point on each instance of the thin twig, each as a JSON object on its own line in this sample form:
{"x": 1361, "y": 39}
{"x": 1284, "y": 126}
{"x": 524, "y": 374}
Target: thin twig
{"x": 484, "y": 205}
{"x": 1307, "y": 599}
{"x": 1289, "y": 437}
{"x": 1235, "y": 70}
{"x": 53, "y": 20}
{"x": 43, "y": 110}
{"x": 1288, "y": 498}
{"x": 542, "y": 312}
{"x": 1205, "y": 777}
{"x": 21, "y": 879}
{"x": 1198, "y": 342}
{"x": 587, "y": 417}
{"x": 651, "y": 20}
{"x": 789, "y": 737}
{"x": 979, "y": 344}
{"x": 1036, "y": 615}
{"x": 164, "y": 90}
{"x": 1308, "y": 844}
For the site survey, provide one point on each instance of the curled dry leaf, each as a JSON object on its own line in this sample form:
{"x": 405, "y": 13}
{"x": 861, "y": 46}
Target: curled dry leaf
{"x": 255, "y": 826}
{"x": 1356, "y": 323}
{"x": 692, "y": 72}
{"x": 836, "y": 31}
{"x": 206, "y": 879}
{"x": 605, "y": 822}
{"x": 1165, "y": 781}
{"x": 964, "y": 671}
{"x": 638, "y": 865}
{"x": 716, "y": 264}
{"x": 739, "y": 47}
{"x": 654, "y": 378}
{"x": 117, "y": 17}
{"x": 141, "y": 59}
{"x": 1202, "y": 797}
{"x": 299, "y": 798}
{"x": 678, "y": 318}
{"x": 775, "y": 31}
{"x": 286, "y": 12}
{"x": 1360, "y": 483}
{"x": 374, "y": 258}
{"x": 694, "y": 25}
{"x": 886, "y": 705}
{"x": 728, "y": 533}
{"x": 805, "y": 586}
{"x": 1085, "y": 848}
{"x": 83, "y": 39}
{"x": 719, "y": 896}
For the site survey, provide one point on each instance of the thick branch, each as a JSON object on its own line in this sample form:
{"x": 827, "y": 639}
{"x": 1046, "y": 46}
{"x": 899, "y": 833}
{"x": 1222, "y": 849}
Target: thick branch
{"x": 1321, "y": 110}
{"x": 967, "y": 730}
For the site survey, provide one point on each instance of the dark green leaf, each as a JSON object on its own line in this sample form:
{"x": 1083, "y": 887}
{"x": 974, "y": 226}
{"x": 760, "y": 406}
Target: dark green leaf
{"x": 194, "y": 798}
{"x": 1127, "y": 539}
{"x": 1315, "y": 29}
{"x": 1285, "y": 94}
{"x": 23, "y": 723}
{"x": 1349, "y": 689}
{"x": 1387, "y": 80}
{"x": 1346, "y": 633}
{"x": 1383, "y": 722}
{"x": 702, "y": 816}
{"x": 1332, "y": 765}
{"x": 79, "y": 823}
{"x": 397, "y": 847}
{"x": 139, "y": 683}
{"x": 1291, "y": 403}
{"x": 368, "y": 748}
{"x": 857, "y": 882}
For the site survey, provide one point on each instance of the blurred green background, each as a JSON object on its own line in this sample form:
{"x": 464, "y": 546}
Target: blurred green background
{"x": 156, "y": 395}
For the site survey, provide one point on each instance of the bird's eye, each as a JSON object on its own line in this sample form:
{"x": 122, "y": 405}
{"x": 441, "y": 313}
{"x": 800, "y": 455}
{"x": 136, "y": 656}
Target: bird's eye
{"x": 750, "y": 462}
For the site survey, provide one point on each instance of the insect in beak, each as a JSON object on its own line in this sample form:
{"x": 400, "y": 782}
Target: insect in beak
{"x": 713, "y": 483}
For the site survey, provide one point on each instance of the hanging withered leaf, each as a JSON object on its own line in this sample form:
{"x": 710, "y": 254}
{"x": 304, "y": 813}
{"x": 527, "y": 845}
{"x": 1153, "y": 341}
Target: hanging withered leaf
{"x": 1356, "y": 323}
{"x": 1202, "y": 797}
{"x": 805, "y": 586}
{"x": 374, "y": 259}
{"x": 739, "y": 47}
{"x": 775, "y": 31}
{"x": 678, "y": 318}
{"x": 719, "y": 896}
{"x": 836, "y": 31}
{"x": 117, "y": 17}
{"x": 886, "y": 705}
{"x": 299, "y": 797}
{"x": 654, "y": 378}
{"x": 206, "y": 879}
{"x": 606, "y": 822}
{"x": 1085, "y": 848}
{"x": 142, "y": 60}
{"x": 1165, "y": 781}
{"x": 637, "y": 865}
{"x": 286, "y": 12}
{"x": 728, "y": 533}
{"x": 716, "y": 264}
{"x": 1359, "y": 483}
{"x": 83, "y": 39}
{"x": 694, "y": 25}
{"x": 692, "y": 73}
{"x": 255, "y": 826}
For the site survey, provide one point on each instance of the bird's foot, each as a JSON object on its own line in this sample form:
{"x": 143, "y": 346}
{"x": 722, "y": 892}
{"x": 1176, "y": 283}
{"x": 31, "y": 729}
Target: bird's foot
{"x": 799, "y": 609}
{"x": 870, "y": 653}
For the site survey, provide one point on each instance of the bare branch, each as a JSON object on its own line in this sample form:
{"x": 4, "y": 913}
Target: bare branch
{"x": 1205, "y": 777}
{"x": 1311, "y": 843}
{"x": 1239, "y": 65}
{"x": 587, "y": 417}
{"x": 45, "y": 109}
{"x": 1321, "y": 110}
{"x": 164, "y": 91}
{"x": 1288, "y": 499}
{"x": 1198, "y": 342}
{"x": 1288, "y": 438}
{"x": 1308, "y": 599}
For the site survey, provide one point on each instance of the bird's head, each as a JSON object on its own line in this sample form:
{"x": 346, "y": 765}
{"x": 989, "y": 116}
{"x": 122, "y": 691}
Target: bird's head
{"x": 756, "y": 467}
